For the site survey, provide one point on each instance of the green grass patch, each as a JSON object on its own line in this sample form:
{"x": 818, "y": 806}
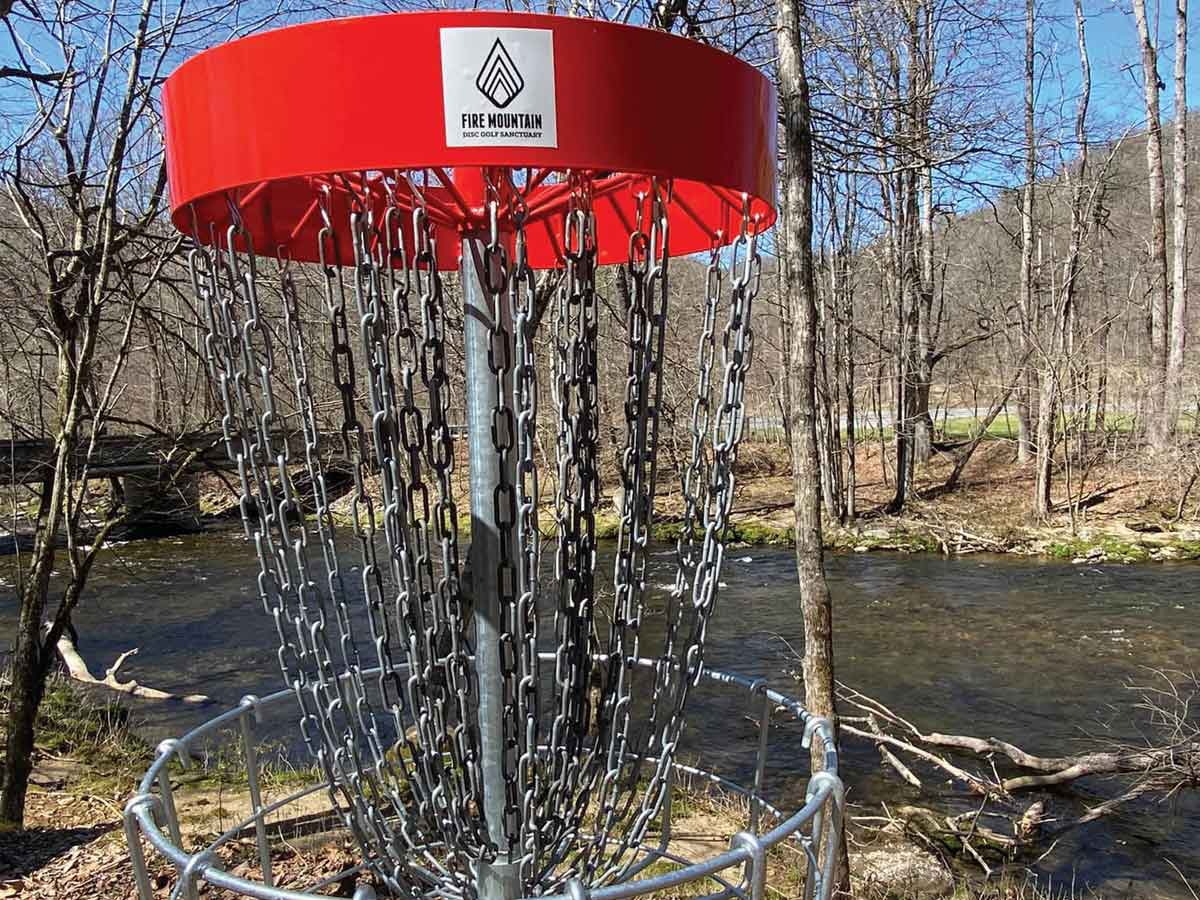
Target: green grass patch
{"x": 1186, "y": 549}
{"x": 96, "y": 731}
{"x": 761, "y": 533}
{"x": 223, "y": 764}
{"x": 1003, "y": 427}
{"x": 1112, "y": 549}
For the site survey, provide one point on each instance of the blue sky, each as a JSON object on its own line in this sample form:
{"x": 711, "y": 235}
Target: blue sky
{"x": 1117, "y": 104}
{"x": 1115, "y": 58}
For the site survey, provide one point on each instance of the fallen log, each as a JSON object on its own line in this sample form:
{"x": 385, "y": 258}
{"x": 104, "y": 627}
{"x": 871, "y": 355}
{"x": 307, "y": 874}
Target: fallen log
{"x": 1063, "y": 769}
{"x": 956, "y": 834}
{"x": 1168, "y": 761}
{"x": 78, "y": 670}
{"x": 1170, "y": 764}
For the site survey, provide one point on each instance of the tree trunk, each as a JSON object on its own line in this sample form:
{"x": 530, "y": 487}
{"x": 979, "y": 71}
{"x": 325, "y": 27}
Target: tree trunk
{"x": 1046, "y": 440}
{"x": 29, "y": 665}
{"x": 799, "y": 280}
{"x": 1158, "y": 431}
{"x": 1173, "y": 393}
{"x": 1058, "y": 351}
{"x": 908, "y": 310}
{"x": 1100, "y": 422}
{"x": 786, "y": 328}
{"x": 24, "y": 700}
{"x": 851, "y": 409}
{"x": 922, "y": 421}
{"x": 1024, "y": 423}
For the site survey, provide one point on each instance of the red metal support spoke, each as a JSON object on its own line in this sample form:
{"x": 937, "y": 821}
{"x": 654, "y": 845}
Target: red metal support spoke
{"x": 254, "y": 193}
{"x": 547, "y": 200}
{"x": 469, "y": 215}
{"x": 553, "y": 239}
{"x": 619, "y": 211}
{"x": 308, "y": 214}
{"x": 677, "y": 200}
{"x": 533, "y": 183}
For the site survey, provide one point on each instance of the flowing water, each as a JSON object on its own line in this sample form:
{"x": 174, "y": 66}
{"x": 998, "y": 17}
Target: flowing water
{"x": 1034, "y": 652}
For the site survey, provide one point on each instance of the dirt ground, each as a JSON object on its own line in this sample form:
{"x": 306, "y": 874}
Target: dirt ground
{"x": 74, "y": 845}
{"x": 1127, "y": 510}
{"x": 1123, "y": 506}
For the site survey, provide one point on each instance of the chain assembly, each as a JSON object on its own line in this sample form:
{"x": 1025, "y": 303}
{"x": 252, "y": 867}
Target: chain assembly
{"x": 385, "y": 580}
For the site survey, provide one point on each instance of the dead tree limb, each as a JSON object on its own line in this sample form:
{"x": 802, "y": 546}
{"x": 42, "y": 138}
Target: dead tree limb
{"x": 79, "y": 671}
{"x": 975, "y": 783}
{"x": 1172, "y": 763}
{"x": 890, "y": 758}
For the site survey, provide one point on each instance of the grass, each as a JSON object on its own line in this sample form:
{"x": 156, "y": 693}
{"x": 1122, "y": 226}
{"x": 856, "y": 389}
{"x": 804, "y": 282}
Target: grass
{"x": 1113, "y": 549}
{"x": 86, "y": 728}
{"x": 98, "y": 733}
{"x": 94, "y": 730}
{"x": 1005, "y": 427}
{"x": 223, "y": 764}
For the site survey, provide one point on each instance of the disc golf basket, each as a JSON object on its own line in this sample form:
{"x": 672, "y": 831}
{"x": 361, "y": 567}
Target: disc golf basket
{"x": 484, "y": 729}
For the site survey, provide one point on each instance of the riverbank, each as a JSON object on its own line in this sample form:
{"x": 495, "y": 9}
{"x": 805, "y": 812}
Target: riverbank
{"x": 1135, "y": 510}
{"x": 90, "y": 757}
{"x": 1124, "y": 513}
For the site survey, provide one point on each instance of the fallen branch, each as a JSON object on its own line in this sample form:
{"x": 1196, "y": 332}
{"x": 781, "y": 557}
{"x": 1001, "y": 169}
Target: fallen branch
{"x": 974, "y": 782}
{"x": 79, "y": 671}
{"x": 953, "y": 537}
{"x": 1103, "y": 809}
{"x": 956, "y": 833}
{"x": 1174, "y": 763}
{"x": 1062, "y": 769}
{"x": 890, "y": 758}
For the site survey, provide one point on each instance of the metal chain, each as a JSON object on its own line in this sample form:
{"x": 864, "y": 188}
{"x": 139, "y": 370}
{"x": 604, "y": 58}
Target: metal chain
{"x": 403, "y": 755}
{"x": 438, "y": 450}
{"x": 524, "y": 623}
{"x": 495, "y": 276}
{"x": 240, "y": 353}
{"x": 441, "y": 796}
{"x": 645, "y": 333}
{"x": 737, "y": 344}
{"x": 572, "y": 769}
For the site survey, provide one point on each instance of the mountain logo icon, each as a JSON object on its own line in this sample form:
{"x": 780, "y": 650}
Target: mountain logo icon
{"x": 499, "y": 80}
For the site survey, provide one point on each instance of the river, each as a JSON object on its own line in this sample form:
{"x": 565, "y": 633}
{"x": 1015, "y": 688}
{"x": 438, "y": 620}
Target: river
{"x": 1030, "y": 651}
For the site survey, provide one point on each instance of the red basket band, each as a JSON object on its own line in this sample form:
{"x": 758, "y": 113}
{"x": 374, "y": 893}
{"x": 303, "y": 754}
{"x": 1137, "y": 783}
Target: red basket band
{"x": 261, "y": 124}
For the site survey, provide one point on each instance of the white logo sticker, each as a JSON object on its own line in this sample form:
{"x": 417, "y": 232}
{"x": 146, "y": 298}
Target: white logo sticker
{"x": 498, "y": 87}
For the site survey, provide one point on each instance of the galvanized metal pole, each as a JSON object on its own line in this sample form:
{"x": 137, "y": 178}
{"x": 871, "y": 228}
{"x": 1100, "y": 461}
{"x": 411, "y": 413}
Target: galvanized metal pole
{"x": 497, "y": 880}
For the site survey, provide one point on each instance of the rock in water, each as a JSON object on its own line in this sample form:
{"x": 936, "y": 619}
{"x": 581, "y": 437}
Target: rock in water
{"x": 902, "y": 870}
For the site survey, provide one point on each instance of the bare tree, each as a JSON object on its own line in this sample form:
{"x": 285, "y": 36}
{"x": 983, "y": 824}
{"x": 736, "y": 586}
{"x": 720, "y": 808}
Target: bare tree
{"x": 1158, "y": 431}
{"x": 1173, "y": 388}
{"x": 800, "y": 289}
{"x": 1055, "y": 351}
{"x": 1026, "y": 301}
{"x": 85, "y": 181}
